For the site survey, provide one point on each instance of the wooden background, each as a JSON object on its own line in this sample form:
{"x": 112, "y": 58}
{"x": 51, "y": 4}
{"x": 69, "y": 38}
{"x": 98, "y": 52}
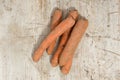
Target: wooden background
{"x": 24, "y": 24}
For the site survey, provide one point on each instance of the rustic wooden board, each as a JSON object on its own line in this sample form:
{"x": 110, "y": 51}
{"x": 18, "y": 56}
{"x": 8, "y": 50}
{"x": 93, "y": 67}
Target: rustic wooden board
{"x": 24, "y": 24}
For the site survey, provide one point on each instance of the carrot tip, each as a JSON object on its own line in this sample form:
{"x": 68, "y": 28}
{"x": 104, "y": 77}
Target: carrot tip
{"x": 53, "y": 63}
{"x": 34, "y": 59}
{"x": 48, "y": 52}
{"x": 64, "y": 70}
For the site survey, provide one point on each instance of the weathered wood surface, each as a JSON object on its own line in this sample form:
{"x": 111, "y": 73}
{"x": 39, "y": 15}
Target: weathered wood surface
{"x": 24, "y": 24}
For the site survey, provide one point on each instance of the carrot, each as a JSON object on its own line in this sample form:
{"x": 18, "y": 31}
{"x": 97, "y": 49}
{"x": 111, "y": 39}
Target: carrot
{"x": 63, "y": 40}
{"x": 56, "y": 18}
{"x": 75, "y": 37}
{"x": 66, "y": 68}
{"x": 58, "y": 31}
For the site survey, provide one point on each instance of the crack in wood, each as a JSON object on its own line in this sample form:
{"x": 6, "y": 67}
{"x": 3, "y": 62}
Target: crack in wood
{"x": 87, "y": 35}
{"x": 109, "y": 14}
{"x": 108, "y": 51}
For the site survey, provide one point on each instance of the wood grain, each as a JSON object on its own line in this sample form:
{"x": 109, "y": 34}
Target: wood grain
{"x": 25, "y": 23}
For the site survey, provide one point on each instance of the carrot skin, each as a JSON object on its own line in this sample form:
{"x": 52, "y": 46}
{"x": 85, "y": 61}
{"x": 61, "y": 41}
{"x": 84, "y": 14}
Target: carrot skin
{"x": 75, "y": 37}
{"x": 56, "y": 19}
{"x": 58, "y": 31}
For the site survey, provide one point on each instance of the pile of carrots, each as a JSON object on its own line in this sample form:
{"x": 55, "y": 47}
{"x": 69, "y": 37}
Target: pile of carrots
{"x": 70, "y": 32}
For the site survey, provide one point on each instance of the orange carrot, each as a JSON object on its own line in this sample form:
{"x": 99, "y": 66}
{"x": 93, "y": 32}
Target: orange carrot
{"x": 56, "y": 18}
{"x": 66, "y": 68}
{"x": 75, "y": 37}
{"x": 63, "y": 40}
{"x": 58, "y": 31}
